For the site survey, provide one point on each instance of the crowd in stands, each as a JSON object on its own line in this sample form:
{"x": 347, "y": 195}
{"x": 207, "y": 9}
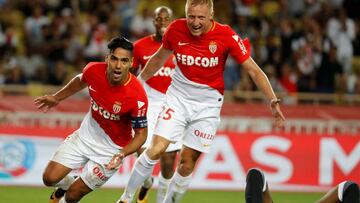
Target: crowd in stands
{"x": 302, "y": 45}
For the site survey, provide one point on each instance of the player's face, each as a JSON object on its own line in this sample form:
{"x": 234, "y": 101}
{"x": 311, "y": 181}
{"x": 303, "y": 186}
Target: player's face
{"x": 161, "y": 21}
{"x": 198, "y": 19}
{"x": 118, "y": 64}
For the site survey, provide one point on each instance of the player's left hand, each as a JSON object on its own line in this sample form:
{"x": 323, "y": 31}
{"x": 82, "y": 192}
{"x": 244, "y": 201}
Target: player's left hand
{"x": 115, "y": 161}
{"x": 276, "y": 112}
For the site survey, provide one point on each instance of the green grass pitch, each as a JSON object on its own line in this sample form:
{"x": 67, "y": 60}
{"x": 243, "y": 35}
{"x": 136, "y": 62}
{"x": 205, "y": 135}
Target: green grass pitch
{"x": 15, "y": 194}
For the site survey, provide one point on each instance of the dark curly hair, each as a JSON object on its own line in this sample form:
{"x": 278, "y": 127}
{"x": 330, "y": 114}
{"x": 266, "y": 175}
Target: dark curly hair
{"x": 120, "y": 42}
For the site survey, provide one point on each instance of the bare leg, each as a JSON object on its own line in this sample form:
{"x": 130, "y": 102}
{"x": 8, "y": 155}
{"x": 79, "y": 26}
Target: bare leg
{"x": 144, "y": 166}
{"x": 76, "y": 191}
{"x": 345, "y": 192}
{"x": 182, "y": 178}
{"x": 54, "y": 173}
{"x": 167, "y": 164}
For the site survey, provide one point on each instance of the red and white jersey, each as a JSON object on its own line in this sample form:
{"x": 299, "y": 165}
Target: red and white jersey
{"x": 144, "y": 48}
{"x": 201, "y": 60}
{"x": 114, "y": 110}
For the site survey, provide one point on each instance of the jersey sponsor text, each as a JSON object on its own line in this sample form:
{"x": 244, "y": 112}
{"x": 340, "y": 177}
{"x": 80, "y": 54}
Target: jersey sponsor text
{"x": 104, "y": 113}
{"x": 198, "y": 61}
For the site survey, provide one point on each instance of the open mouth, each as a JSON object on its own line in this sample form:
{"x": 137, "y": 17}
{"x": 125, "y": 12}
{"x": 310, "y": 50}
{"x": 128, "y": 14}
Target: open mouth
{"x": 196, "y": 29}
{"x": 117, "y": 74}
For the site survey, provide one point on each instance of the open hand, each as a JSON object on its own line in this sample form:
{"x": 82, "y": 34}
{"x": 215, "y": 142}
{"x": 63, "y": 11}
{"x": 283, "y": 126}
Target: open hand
{"x": 278, "y": 115}
{"x": 115, "y": 161}
{"x": 45, "y": 102}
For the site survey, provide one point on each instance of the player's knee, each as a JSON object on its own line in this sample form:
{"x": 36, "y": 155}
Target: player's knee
{"x": 49, "y": 180}
{"x": 158, "y": 146}
{"x": 186, "y": 166}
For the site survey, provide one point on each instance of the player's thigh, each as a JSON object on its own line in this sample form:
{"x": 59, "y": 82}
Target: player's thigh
{"x": 171, "y": 122}
{"x": 54, "y": 172}
{"x": 201, "y": 132}
{"x": 71, "y": 152}
{"x": 153, "y": 112}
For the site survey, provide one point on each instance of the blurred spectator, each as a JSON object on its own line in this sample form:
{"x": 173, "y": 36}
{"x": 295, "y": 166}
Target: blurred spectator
{"x": 97, "y": 45}
{"x": 288, "y": 79}
{"x": 33, "y": 28}
{"x": 60, "y": 74}
{"x": 231, "y": 74}
{"x": 30, "y": 63}
{"x": 341, "y": 31}
{"x": 142, "y": 24}
{"x": 14, "y": 74}
{"x": 125, "y": 10}
{"x": 357, "y": 81}
{"x": 329, "y": 73}
{"x": 270, "y": 71}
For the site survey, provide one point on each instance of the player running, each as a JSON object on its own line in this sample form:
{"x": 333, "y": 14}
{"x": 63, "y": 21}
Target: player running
{"x": 118, "y": 105}
{"x": 156, "y": 88}
{"x": 193, "y": 101}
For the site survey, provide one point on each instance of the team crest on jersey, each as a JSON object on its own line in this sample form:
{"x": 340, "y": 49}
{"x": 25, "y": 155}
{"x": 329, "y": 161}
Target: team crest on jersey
{"x": 212, "y": 47}
{"x": 117, "y": 107}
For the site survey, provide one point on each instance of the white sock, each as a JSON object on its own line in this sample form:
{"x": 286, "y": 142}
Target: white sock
{"x": 148, "y": 183}
{"x": 265, "y": 182}
{"x": 62, "y": 200}
{"x": 341, "y": 190}
{"x": 162, "y": 188}
{"x": 65, "y": 182}
{"x": 142, "y": 170}
{"x": 177, "y": 188}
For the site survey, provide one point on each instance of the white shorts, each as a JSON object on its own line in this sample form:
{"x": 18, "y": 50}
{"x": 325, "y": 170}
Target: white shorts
{"x": 75, "y": 153}
{"x": 153, "y": 112}
{"x": 192, "y": 123}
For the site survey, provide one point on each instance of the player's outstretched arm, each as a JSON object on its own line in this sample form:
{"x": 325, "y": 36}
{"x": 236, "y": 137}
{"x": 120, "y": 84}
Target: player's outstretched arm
{"x": 135, "y": 144}
{"x": 262, "y": 82}
{"x": 46, "y": 102}
{"x": 345, "y": 192}
{"x": 155, "y": 63}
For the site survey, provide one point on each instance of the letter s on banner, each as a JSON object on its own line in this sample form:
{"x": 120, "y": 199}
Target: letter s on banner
{"x": 283, "y": 165}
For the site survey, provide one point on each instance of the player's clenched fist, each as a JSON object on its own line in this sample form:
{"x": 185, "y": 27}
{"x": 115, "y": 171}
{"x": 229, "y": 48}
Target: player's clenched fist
{"x": 115, "y": 161}
{"x": 46, "y": 102}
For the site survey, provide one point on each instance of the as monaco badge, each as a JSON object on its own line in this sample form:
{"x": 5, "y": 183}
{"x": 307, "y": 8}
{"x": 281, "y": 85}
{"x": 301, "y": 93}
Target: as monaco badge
{"x": 117, "y": 107}
{"x": 212, "y": 47}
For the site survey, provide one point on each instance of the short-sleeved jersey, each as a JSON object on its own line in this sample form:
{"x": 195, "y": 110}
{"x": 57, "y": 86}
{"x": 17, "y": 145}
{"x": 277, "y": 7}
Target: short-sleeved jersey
{"x": 144, "y": 48}
{"x": 201, "y": 59}
{"x": 115, "y": 108}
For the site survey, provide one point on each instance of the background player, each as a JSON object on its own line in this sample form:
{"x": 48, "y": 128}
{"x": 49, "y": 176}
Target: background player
{"x": 257, "y": 190}
{"x": 118, "y": 104}
{"x": 195, "y": 96}
{"x": 156, "y": 88}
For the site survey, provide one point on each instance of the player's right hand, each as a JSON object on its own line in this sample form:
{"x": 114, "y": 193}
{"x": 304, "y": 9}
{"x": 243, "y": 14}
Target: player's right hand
{"x": 115, "y": 161}
{"x": 46, "y": 102}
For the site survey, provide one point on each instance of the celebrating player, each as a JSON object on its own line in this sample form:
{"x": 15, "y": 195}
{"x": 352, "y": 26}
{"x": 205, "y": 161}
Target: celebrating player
{"x": 118, "y": 105}
{"x": 257, "y": 190}
{"x": 191, "y": 112}
{"x": 156, "y": 88}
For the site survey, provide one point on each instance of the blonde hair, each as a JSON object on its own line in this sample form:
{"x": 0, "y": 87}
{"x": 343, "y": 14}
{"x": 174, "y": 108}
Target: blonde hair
{"x": 209, "y": 3}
